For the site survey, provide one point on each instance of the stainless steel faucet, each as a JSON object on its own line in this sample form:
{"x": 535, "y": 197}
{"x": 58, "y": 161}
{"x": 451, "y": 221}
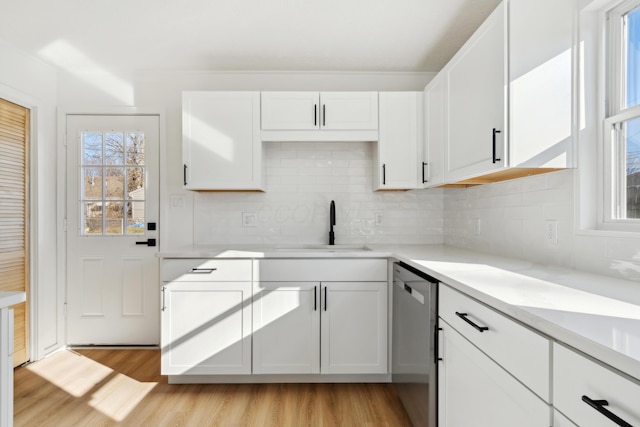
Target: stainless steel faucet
{"x": 332, "y": 222}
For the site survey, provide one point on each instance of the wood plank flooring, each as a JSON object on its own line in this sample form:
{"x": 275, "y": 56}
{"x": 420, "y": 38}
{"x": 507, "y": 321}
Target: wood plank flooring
{"x": 124, "y": 387}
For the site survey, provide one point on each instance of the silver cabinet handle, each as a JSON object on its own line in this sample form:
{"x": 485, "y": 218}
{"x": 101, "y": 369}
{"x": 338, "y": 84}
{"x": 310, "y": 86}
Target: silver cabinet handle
{"x": 202, "y": 270}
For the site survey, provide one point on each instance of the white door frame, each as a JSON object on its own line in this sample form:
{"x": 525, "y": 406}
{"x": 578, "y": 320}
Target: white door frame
{"x": 33, "y": 104}
{"x": 63, "y": 112}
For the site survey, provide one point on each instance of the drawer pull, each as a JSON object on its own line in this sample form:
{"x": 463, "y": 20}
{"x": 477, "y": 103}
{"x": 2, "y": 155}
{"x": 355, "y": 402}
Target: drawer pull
{"x": 463, "y": 316}
{"x": 202, "y": 270}
{"x": 599, "y": 405}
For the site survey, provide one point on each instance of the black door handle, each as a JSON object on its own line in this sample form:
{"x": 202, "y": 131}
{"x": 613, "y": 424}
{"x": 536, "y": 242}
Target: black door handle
{"x": 599, "y": 405}
{"x": 148, "y": 242}
{"x": 423, "y": 177}
{"x": 384, "y": 174}
{"x": 184, "y": 172}
{"x": 495, "y": 131}
{"x": 479, "y": 328}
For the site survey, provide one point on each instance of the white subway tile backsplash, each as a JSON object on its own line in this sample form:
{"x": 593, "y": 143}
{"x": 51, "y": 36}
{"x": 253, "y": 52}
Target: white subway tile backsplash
{"x": 301, "y": 179}
{"x": 513, "y": 215}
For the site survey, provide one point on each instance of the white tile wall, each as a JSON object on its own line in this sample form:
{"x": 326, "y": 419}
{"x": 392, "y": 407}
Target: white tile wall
{"x": 301, "y": 180}
{"x": 513, "y": 217}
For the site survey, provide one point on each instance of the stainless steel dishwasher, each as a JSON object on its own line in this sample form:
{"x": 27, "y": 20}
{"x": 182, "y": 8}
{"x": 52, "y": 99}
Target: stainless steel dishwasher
{"x": 415, "y": 328}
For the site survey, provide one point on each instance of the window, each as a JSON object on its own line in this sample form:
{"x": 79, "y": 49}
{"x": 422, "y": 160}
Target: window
{"x": 112, "y": 176}
{"x": 622, "y": 125}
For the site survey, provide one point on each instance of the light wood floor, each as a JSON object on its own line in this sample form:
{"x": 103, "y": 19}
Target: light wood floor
{"x": 124, "y": 387}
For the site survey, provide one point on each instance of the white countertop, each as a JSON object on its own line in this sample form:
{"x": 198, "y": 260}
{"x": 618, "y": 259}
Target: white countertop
{"x": 8, "y": 299}
{"x": 595, "y": 314}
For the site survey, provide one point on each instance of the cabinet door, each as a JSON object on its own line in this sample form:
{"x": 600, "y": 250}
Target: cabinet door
{"x": 290, "y": 110}
{"x": 206, "y": 328}
{"x": 354, "y": 328}
{"x": 475, "y": 391}
{"x": 397, "y": 148}
{"x": 541, "y": 40}
{"x": 580, "y": 385}
{"x": 349, "y": 110}
{"x": 286, "y": 328}
{"x": 434, "y": 132}
{"x": 221, "y": 142}
{"x": 475, "y": 102}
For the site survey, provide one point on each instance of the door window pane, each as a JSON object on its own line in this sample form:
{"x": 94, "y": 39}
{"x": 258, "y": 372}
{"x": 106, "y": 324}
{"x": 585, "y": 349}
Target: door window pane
{"x": 112, "y": 196}
{"x": 115, "y": 183}
{"x": 91, "y": 148}
{"x": 114, "y": 218}
{"x": 92, "y": 214}
{"x": 135, "y": 149}
{"x": 92, "y": 183}
{"x": 114, "y": 148}
{"x": 135, "y": 217}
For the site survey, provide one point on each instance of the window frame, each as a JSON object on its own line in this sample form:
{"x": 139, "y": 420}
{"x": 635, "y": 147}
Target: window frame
{"x": 614, "y": 159}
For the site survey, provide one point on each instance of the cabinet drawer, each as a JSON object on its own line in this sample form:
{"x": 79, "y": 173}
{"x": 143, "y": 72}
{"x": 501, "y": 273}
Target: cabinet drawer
{"x": 206, "y": 270}
{"x": 575, "y": 376}
{"x": 321, "y": 270}
{"x": 517, "y": 349}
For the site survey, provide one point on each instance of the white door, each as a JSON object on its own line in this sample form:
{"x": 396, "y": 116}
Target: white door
{"x": 112, "y": 216}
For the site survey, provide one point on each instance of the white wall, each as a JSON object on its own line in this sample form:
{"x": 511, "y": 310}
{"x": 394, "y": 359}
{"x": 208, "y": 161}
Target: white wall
{"x": 301, "y": 180}
{"x": 513, "y": 217}
{"x": 32, "y": 84}
{"x": 197, "y": 216}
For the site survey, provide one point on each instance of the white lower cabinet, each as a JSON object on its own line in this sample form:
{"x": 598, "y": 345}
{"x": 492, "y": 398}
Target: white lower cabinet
{"x": 493, "y": 370}
{"x": 206, "y": 317}
{"x": 206, "y": 328}
{"x": 320, "y": 327}
{"x": 476, "y": 391}
{"x": 590, "y": 394}
{"x": 320, "y": 316}
{"x": 286, "y": 328}
{"x": 354, "y": 328}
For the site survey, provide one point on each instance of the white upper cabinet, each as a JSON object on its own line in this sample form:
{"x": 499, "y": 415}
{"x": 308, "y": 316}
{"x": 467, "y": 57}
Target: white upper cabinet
{"x": 509, "y": 95}
{"x": 290, "y": 110}
{"x": 221, "y": 145}
{"x": 398, "y": 166}
{"x": 349, "y": 110}
{"x": 319, "y": 116}
{"x": 435, "y": 132}
{"x": 541, "y": 51}
{"x": 475, "y": 88}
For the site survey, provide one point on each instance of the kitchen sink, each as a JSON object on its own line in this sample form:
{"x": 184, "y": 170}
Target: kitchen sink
{"x": 321, "y": 248}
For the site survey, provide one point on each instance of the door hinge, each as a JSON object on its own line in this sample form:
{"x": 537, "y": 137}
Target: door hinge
{"x": 64, "y": 310}
{"x": 64, "y": 225}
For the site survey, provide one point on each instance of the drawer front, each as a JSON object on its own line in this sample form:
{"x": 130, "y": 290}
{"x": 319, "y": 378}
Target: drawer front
{"x": 575, "y": 376}
{"x": 206, "y": 270}
{"x": 321, "y": 270}
{"x": 522, "y": 352}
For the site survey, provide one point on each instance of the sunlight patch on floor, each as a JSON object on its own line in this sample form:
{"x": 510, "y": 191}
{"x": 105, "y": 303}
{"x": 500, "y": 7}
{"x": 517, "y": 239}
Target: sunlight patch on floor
{"x": 71, "y": 372}
{"x": 119, "y": 396}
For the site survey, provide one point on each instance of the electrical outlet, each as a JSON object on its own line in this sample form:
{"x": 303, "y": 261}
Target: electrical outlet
{"x": 379, "y": 218}
{"x": 551, "y": 232}
{"x": 249, "y": 219}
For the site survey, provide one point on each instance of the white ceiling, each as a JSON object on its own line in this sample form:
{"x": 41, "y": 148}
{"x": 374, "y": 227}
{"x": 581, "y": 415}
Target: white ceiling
{"x": 243, "y": 35}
